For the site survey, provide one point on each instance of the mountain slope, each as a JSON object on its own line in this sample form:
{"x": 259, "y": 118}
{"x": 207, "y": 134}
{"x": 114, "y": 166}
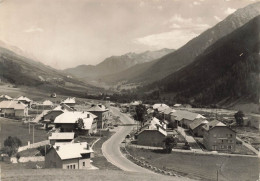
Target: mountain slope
{"x": 20, "y": 70}
{"x": 116, "y": 64}
{"x": 186, "y": 54}
{"x": 226, "y": 71}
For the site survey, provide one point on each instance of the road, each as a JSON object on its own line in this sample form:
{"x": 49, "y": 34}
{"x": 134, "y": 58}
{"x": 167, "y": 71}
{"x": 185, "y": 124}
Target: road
{"x": 111, "y": 148}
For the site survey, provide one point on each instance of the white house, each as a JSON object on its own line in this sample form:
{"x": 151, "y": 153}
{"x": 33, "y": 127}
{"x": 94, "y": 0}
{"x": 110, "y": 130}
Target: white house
{"x": 13, "y": 109}
{"x": 69, "y": 156}
{"x": 68, "y": 121}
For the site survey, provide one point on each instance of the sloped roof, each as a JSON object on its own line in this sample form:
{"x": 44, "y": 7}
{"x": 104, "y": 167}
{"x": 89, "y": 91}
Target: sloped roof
{"x": 69, "y": 100}
{"x": 197, "y": 122}
{"x": 154, "y": 124}
{"x": 169, "y": 110}
{"x": 182, "y": 114}
{"x": 47, "y": 103}
{"x": 98, "y": 108}
{"x": 135, "y": 103}
{"x": 214, "y": 124}
{"x": 63, "y": 107}
{"x": 23, "y": 98}
{"x": 72, "y": 150}
{"x": 5, "y": 97}
{"x": 62, "y": 136}
{"x": 156, "y": 106}
{"x": 73, "y": 117}
{"x": 12, "y": 105}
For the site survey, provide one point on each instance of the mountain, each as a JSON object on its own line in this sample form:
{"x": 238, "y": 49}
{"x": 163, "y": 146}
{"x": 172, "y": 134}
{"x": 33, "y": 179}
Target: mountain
{"x": 116, "y": 64}
{"x": 226, "y": 71}
{"x": 186, "y": 54}
{"x": 22, "y": 71}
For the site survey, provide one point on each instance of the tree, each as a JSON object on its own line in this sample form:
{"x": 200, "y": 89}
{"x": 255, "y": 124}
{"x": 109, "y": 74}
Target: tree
{"x": 239, "y": 118}
{"x": 141, "y": 113}
{"x": 169, "y": 143}
{"x": 12, "y": 142}
{"x": 11, "y": 145}
{"x": 80, "y": 123}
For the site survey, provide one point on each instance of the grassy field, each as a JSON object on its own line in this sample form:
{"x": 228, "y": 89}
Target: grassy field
{"x": 75, "y": 175}
{"x": 11, "y": 127}
{"x": 202, "y": 166}
{"x": 99, "y": 160}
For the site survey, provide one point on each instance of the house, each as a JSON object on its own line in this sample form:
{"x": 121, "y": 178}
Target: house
{"x": 52, "y": 114}
{"x": 47, "y": 103}
{"x": 166, "y": 113}
{"x": 69, "y": 156}
{"x": 70, "y": 101}
{"x": 161, "y": 106}
{"x": 218, "y": 137}
{"x": 102, "y": 114}
{"x": 184, "y": 118}
{"x": 71, "y": 121}
{"x": 5, "y": 98}
{"x": 196, "y": 127}
{"x": 25, "y": 100}
{"x": 132, "y": 106}
{"x": 13, "y": 109}
{"x": 63, "y": 137}
{"x": 152, "y": 133}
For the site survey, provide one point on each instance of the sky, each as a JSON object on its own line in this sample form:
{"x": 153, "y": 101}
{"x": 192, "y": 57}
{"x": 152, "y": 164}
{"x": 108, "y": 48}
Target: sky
{"x": 67, "y": 33}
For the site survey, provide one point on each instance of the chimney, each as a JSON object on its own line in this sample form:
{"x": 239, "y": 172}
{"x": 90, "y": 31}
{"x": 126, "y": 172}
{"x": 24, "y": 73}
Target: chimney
{"x": 57, "y": 148}
{"x": 87, "y": 147}
{"x": 88, "y": 116}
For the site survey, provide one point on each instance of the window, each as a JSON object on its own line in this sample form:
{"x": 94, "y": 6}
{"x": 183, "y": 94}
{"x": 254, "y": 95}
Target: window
{"x": 223, "y": 147}
{"x": 74, "y": 166}
{"x": 229, "y": 147}
{"x": 83, "y": 164}
{"x": 68, "y": 167}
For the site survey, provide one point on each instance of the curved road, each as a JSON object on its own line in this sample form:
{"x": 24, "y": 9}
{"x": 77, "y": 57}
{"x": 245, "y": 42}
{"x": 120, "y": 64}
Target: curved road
{"x": 111, "y": 148}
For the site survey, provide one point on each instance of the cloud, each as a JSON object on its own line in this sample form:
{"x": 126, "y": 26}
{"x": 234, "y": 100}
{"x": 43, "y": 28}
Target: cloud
{"x": 171, "y": 39}
{"x": 141, "y": 4}
{"x": 196, "y": 3}
{"x": 229, "y": 11}
{"x": 217, "y": 18}
{"x": 181, "y": 31}
{"x": 159, "y": 7}
{"x": 178, "y": 22}
{"x": 33, "y": 29}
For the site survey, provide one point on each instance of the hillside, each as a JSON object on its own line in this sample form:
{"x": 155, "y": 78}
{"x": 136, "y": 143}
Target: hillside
{"x": 22, "y": 71}
{"x": 186, "y": 54}
{"x": 225, "y": 72}
{"x": 116, "y": 64}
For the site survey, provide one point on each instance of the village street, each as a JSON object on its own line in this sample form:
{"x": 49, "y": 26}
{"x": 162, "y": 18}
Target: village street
{"x": 111, "y": 148}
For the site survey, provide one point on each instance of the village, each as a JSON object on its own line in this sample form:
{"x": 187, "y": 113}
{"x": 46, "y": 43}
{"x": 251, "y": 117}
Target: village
{"x": 64, "y": 134}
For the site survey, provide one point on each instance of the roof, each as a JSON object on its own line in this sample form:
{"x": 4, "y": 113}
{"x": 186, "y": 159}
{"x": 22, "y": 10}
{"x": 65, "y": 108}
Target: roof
{"x": 72, "y": 150}
{"x": 214, "y": 124}
{"x": 73, "y": 117}
{"x": 47, "y": 103}
{"x": 62, "y": 136}
{"x": 98, "y": 108}
{"x": 168, "y": 110}
{"x": 198, "y": 122}
{"x": 154, "y": 124}
{"x": 156, "y": 106}
{"x": 177, "y": 105}
{"x": 12, "y": 105}
{"x": 135, "y": 103}
{"x": 63, "y": 107}
{"x": 5, "y": 97}
{"x": 23, "y": 98}
{"x": 182, "y": 114}
{"x": 69, "y": 100}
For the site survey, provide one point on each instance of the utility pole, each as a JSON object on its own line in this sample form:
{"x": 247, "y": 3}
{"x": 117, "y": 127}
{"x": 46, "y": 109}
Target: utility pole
{"x": 33, "y": 133}
{"x": 29, "y": 126}
{"x": 217, "y": 174}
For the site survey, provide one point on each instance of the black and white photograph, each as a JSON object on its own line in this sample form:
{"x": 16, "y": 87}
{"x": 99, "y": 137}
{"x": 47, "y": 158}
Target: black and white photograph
{"x": 132, "y": 90}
